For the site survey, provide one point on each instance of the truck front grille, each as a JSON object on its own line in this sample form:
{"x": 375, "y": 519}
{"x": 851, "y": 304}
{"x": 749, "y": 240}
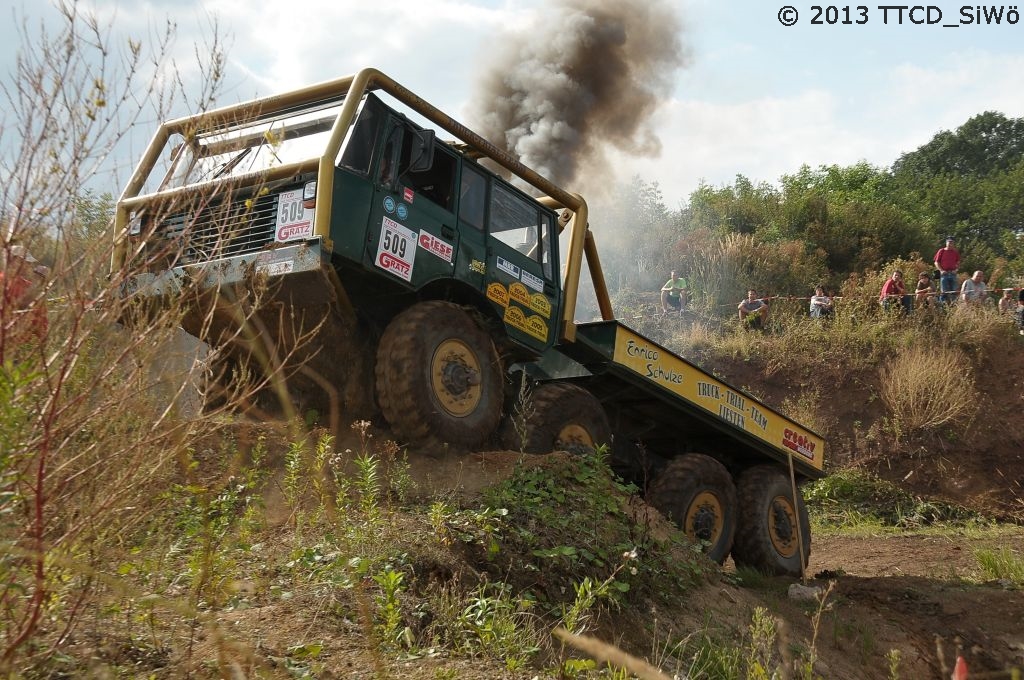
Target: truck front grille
{"x": 221, "y": 230}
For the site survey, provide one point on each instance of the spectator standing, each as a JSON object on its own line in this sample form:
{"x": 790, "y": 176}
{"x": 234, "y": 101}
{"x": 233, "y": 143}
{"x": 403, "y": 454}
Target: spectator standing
{"x": 947, "y": 261}
{"x": 674, "y": 294}
{"x": 821, "y": 304}
{"x": 753, "y": 311}
{"x": 22, "y": 314}
{"x": 1020, "y": 311}
{"x": 924, "y": 290}
{"x": 894, "y": 293}
{"x": 974, "y": 290}
{"x": 1007, "y": 304}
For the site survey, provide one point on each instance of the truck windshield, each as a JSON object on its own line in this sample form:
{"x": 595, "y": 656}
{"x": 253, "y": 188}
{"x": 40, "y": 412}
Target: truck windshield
{"x": 233, "y": 150}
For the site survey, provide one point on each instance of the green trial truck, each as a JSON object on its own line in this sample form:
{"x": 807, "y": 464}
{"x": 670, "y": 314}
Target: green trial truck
{"x": 331, "y": 250}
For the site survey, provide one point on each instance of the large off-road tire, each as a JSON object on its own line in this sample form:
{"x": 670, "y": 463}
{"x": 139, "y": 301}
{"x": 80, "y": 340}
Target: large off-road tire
{"x": 439, "y": 377}
{"x": 557, "y": 417}
{"x": 766, "y": 535}
{"x": 697, "y": 493}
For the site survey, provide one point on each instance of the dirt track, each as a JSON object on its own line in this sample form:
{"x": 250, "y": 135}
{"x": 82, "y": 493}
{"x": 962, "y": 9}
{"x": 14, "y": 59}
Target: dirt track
{"x": 919, "y": 595}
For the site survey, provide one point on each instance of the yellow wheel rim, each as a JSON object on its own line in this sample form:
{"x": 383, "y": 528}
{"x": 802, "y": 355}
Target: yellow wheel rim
{"x": 782, "y": 526}
{"x": 574, "y": 436}
{"x": 455, "y": 377}
{"x": 705, "y": 518}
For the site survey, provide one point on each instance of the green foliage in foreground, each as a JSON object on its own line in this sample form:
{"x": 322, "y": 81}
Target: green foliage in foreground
{"x": 850, "y": 499}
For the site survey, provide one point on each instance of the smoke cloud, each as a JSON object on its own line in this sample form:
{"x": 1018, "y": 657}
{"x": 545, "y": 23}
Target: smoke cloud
{"x": 586, "y": 78}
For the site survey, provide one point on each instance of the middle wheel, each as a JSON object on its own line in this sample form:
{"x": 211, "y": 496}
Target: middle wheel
{"x": 439, "y": 377}
{"x": 558, "y": 417}
{"x": 697, "y": 493}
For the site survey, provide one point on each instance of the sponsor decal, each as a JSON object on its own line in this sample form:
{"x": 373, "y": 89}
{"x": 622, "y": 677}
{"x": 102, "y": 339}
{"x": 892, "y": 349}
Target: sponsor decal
{"x": 518, "y": 292}
{"x": 293, "y": 220}
{"x": 509, "y": 268}
{"x": 515, "y": 317}
{"x": 434, "y": 245}
{"x": 408, "y": 194}
{"x": 403, "y": 211}
{"x": 536, "y": 327}
{"x": 396, "y": 251}
{"x": 794, "y": 441}
{"x": 533, "y": 325}
{"x": 497, "y": 293}
{"x": 389, "y": 204}
{"x": 478, "y": 267}
{"x": 532, "y": 281}
{"x": 276, "y": 268}
{"x": 541, "y": 305}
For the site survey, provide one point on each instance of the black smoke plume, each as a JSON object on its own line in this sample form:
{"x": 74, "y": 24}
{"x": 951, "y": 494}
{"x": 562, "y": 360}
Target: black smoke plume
{"x": 587, "y": 77}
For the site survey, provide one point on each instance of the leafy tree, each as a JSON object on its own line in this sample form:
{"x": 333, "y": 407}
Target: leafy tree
{"x": 988, "y": 142}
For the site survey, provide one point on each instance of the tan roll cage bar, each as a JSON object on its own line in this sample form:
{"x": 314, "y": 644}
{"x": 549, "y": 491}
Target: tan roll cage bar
{"x": 581, "y": 241}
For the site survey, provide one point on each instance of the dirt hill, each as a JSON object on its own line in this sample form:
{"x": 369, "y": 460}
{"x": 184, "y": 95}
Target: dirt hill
{"x": 917, "y": 596}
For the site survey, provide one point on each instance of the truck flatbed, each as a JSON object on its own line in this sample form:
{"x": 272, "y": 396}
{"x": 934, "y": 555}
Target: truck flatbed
{"x": 665, "y": 399}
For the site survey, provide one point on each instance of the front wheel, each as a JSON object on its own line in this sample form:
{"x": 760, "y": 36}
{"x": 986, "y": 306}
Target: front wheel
{"x": 439, "y": 377}
{"x": 697, "y": 493}
{"x": 767, "y": 536}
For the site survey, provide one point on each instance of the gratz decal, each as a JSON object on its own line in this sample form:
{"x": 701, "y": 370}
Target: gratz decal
{"x": 396, "y": 251}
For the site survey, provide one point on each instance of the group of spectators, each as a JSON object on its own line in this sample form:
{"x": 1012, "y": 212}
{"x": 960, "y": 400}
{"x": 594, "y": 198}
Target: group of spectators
{"x": 972, "y": 290}
{"x": 753, "y": 311}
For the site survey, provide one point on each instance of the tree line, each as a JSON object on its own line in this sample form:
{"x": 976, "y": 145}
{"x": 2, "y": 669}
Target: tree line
{"x": 830, "y": 223}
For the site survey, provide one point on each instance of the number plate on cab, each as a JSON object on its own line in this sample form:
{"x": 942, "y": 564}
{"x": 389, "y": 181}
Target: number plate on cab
{"x": 293, "y": 221}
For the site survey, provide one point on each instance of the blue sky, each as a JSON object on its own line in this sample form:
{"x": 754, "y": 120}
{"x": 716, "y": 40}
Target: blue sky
{"x": 756, "y": 98}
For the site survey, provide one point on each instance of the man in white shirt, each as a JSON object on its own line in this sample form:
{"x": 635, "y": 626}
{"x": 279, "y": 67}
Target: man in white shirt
{"x": 974, "y": 290}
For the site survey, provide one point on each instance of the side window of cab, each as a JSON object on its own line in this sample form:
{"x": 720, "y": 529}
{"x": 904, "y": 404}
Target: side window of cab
{"x": 518, "y": 222}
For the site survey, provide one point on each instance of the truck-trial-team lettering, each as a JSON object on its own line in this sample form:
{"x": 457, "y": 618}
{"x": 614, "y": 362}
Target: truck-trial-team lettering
{"x": 734, "y": 401}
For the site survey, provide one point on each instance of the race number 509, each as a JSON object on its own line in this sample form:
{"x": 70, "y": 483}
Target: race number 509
{"x": 394, "y": 243}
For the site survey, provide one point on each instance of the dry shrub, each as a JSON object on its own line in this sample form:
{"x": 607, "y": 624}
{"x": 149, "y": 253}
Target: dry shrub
{"x": 926, "y": 388}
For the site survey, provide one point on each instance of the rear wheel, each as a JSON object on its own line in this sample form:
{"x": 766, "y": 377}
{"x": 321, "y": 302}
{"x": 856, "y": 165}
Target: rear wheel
{"x": 439, "y": 377}
{"x": 766, "y": 537}
{"x": 557, "y": 417}
{"x": 697, "y": 493}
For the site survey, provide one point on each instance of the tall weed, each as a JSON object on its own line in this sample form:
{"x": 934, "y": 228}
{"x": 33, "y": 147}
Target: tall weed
{"x": 928, "y": 387}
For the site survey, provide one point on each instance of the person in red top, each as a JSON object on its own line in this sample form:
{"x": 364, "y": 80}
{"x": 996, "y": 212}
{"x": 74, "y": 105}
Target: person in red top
{"x": 894, "y": 293}
{"x": 947, "y": 261}
{"x": 22, "y": 312}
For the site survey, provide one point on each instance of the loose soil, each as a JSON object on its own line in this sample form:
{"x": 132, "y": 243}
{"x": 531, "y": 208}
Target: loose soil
{"x": 922, "y": 595}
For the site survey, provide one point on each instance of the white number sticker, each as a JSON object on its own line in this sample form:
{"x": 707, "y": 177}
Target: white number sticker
{"x": 293, "y": 221}
{"x": 396, "y": 251}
